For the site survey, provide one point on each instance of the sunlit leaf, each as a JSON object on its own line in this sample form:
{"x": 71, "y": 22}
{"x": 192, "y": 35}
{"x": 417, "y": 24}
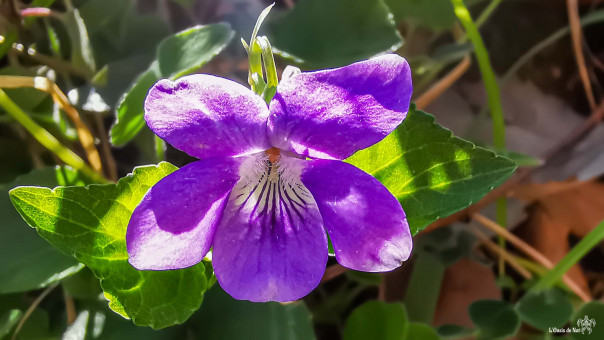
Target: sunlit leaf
{"x": 90, "y": 224}
{"x": 177, "y": 55}
{"x": 432, "y": 173}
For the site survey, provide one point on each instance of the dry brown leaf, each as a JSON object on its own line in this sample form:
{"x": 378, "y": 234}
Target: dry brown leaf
{"x": 577, "y": 205}
{"x": 463, "y": 283}
{"x": 550, "y": 237}
{"x": 561, "y": 209}
{"x": 531, "y": 192}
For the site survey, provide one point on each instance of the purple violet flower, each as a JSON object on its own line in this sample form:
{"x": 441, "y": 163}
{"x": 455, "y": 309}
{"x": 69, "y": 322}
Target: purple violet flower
{"x": 270, "y": 183}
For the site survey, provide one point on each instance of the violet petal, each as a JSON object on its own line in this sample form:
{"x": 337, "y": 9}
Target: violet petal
{"x": 270, "y": 244}
{"x": 173, "y": 227}
{"x": 366, "y": 224}
{"x": 334, "y": 113}
{"x": 207, "y": 116}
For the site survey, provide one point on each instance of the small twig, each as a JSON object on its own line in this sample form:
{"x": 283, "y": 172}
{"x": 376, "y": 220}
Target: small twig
{"x": 31, "y": 309}
{"x": 531, "y": 252}
{"x": 110, "y": 165}
{"x": 443, "y": 84}
{"x": 520, "y": 244}
{"x": 575, "y": 27}
{"x": 47, "y": 139}
{"x": 58, "y": 65}
{"x": 382, "y": 288}
{"x": 333, "y": 271}
{"x": 597, "y": 63}
{"x": 578, "y": 134}
{"x": 70, "y": 308}
{"x": 46, "y": 85}
{"x": 502, "y": 254}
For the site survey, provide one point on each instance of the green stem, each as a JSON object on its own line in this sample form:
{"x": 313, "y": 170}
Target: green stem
{"x": 488, "y": 76}
{"x": 482, "y": 19}
{"x": 160, "y": 149}
{"x": 486, "y": 13}
{"x": 493, "y": 95}
{"x": 583, "y": 247}
{"x": 47, "y": 139}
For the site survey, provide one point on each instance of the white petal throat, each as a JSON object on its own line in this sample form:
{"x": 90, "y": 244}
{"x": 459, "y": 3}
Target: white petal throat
{"x": 272, "y": 190}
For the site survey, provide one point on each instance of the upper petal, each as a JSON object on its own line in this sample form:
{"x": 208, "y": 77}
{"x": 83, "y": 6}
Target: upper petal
{"x": 270, "y": 244}
{"x": 334, "y": 113}
{"x": 173, "y": 226}
{"x": 366, "y": 224}
{"x": 207, "y": 116}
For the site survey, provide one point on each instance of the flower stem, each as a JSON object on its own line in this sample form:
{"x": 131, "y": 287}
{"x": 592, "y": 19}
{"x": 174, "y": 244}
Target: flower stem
{"x": 160, "y": 149}
{"x": 493, "y": 96}
{"x": 488, "y": 75}
{"x": 47, "y": 139}
{"x": 486, "y": 13}
{"x": 583, "y": 247}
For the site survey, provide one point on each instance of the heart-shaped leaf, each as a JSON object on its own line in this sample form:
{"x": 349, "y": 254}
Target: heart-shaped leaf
{"x": 432, "y": 173}
{"x": 90, "y": 223}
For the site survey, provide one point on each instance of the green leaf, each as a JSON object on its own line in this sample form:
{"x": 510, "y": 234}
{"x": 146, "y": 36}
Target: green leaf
{"x": 449, "y": 331}
{"x": 177, "y": 55}
{"x": 335, "y": 33}
{"x": 545, "y": 309}
{"x": 81, "y": 50}
{"x": 364, "y": 278}
{"x": 98, "y": 14}
{"x": 189, "y": 50}
{"x": 421, "y": 331}
{"x": 82, "y": 286}
{"x": 26, "y": 261}
{"x": 593, "y": 310}
{"x": 223, "y": 318}
{"x": 90, "y": 223}
{"x": 447, "y": 244}
{"x": 435, "y": 14}
{"x": 432, "y": 173}
{"x": 130, "y": 114}
{"x": 495, "y": 319}
{"x": 423, "y": 290}
{"x": 8, "y": 320}
{"x": 377, "y": 320}
{"x": 96, "y": 321}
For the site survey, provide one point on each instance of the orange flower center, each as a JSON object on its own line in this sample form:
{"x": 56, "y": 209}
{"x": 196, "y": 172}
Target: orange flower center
{"x": 273, "y": 154}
